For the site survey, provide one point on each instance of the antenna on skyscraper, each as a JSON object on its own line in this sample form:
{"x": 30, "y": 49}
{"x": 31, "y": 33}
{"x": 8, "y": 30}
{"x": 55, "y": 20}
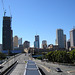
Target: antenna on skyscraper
{"x": 3, "y": 8}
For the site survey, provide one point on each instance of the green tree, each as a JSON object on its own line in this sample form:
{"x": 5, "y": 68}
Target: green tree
{"x": 72, "y": 55}
{"x": 2, "y": 56}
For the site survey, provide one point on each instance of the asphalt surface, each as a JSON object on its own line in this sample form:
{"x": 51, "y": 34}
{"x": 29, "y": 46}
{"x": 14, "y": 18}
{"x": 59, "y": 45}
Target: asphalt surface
{"x": 9, "y": 63}
{"x": 20, "y": 68}
{"x": 50, "y": 68}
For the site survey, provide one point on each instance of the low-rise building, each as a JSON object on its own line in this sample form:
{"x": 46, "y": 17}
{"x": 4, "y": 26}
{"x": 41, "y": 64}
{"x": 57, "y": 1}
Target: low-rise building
{"x": 26, "y": 44}
{"x": 53, "y": 47}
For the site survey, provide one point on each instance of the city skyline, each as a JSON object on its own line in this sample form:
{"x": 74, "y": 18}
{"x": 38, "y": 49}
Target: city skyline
{"x": 37, "y": 29}
{"x": 41, "y": 17}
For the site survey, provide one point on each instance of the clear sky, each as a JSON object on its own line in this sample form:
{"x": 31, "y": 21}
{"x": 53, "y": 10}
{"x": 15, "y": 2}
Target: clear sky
{"x": 39, "y": 16}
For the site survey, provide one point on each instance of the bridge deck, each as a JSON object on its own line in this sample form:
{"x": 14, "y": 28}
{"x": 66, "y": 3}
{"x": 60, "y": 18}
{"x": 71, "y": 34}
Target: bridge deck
{"x": 20, "y": 68}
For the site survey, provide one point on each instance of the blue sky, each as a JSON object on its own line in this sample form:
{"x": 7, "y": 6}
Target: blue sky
{"x": 39, "y": 16}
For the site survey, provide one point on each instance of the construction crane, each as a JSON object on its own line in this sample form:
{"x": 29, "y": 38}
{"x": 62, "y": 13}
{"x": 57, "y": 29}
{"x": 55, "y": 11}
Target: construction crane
{"x": 3, "y": 8}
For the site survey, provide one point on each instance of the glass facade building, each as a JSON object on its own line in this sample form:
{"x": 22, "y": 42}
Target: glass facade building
{"x": 36, "y": 42}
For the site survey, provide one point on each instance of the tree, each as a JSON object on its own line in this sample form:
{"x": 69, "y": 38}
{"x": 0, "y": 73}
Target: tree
{"x": 2, "y": 56}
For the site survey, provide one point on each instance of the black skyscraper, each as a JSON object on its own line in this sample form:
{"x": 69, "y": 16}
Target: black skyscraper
{"x": 7, "y": 33}
{"x": 11, "y": 39}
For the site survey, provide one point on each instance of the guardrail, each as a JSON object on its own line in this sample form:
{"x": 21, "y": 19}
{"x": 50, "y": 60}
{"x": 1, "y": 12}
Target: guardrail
{"x": 6, "y": 60}
{"x": 9, "y": 62}
{"x": 8, "y": 70}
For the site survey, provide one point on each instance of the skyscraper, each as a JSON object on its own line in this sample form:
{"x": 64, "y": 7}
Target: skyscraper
{"x": 7, "y": 34}
{"x": 44, "y": 44}
{"x": 11, "y": 39}
{"x": 68, "y": 44}
{"x": 15, "y": 41}
{"x": 0, "y": 47}
{"x": 60, "y": 38}
{"x": 36, "y": 42}
{"x": 72, "y": 37}
{"x": 64, "y": 41}
{"x": 20, "y": 41}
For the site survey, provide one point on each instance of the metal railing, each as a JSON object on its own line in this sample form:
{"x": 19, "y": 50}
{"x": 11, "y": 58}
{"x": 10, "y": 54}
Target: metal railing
{"x": 8, "y": 62}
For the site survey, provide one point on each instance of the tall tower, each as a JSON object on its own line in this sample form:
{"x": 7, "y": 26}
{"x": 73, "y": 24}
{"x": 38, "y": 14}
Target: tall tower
{"x": 7, "y": 33}
{"x": 36, "y": 42}
{"x": 72, "y": 37}
{"x": 60, "y": 38}
{"x": 64, "y": 41}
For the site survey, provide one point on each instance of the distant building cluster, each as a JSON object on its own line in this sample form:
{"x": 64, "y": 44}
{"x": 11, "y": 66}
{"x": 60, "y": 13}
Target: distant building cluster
{"x": 15, "y": 43}
{"x": 61, "y": 39}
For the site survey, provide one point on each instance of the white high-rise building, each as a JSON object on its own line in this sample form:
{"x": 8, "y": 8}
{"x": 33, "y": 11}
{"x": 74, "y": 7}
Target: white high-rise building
{"x": 72, "y": 37}
{"x": 60, "y": 38}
